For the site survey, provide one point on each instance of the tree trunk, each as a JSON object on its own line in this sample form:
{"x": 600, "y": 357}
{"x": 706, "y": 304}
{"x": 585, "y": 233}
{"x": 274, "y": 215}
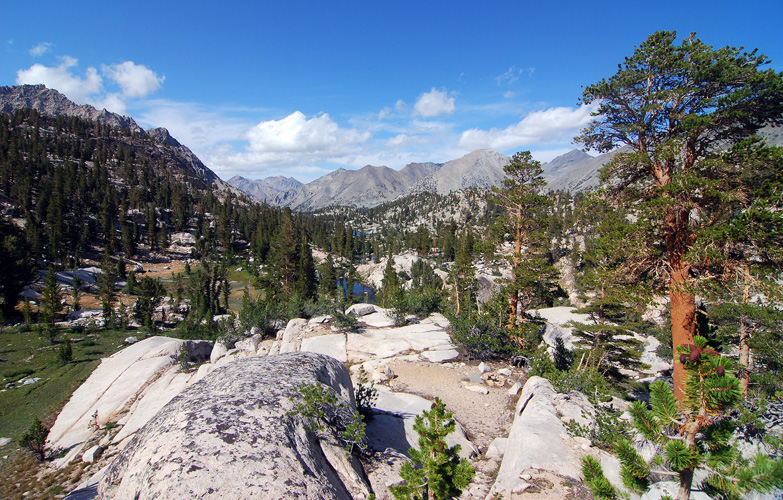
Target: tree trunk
{"x": 683, "y": 312}
{"x": 744, "y": 335}
{"x": 686, "y": 479}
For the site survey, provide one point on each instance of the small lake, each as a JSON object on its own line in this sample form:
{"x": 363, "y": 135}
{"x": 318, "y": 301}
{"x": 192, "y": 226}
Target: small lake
{"x": 363, "y": 292}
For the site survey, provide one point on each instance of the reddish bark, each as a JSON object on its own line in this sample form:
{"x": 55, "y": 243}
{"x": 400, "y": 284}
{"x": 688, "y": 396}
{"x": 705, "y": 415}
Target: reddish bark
{"x": 683, "y": 311}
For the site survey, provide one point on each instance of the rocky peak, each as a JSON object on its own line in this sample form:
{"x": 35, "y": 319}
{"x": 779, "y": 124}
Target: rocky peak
{"x": 52, "y": 103}
{"x": 162, "y": 135}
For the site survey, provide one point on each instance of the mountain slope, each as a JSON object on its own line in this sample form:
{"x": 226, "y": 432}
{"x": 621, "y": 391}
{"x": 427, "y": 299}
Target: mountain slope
{"x": 366, "y": 187}
{"x": 50, "y": 102}
{"x": 482, "y": 168}
{"x": 265, "y": 189}
{"x": 156, "y": 144}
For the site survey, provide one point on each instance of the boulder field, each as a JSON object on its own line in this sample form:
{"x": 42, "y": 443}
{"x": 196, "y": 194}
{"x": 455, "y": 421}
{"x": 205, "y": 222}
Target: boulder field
{"x": 222, "y": 428}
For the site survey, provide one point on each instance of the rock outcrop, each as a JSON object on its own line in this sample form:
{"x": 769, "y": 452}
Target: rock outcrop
{"x": 538, "y": 439}
{"x": 120, "y": 381}
{"x": 230, "y": 436}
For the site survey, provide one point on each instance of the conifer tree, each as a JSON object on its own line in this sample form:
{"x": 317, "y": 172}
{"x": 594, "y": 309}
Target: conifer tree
{"x": 328, "y": 282}
{"x": 150, "y": 294}
{"x": 391, "y": 291}
{"x": 105, "y": 285}
{"x": 612, "y": 291}
{"x": 462, "y": 276}
{"x": 524, "y": 220}
{"x": 696, "y": 434}
{"x": 439, "y": 473}
{"x": 677, "y": 107}
{"x": 51, "y": 301}
{"x": 305, "y": 285}
{"x": 16, "y": 265}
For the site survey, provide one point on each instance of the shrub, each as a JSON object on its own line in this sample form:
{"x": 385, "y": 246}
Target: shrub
{"x": 320, "y": 407}
{"x": 66, "y": 351}
{"x": 365, "y": 395}
{"x": 482, "y": 336}
{"x": 35, "y": 440}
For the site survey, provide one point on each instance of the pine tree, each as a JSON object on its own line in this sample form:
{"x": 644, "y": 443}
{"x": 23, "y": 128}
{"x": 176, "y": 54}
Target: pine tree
{"x": 698, "y": 433}
{"x": 51, "y": 301}
{"x": 305, "y": 285}
{"x": 524, "y": 220}
{"x": 678, "y": 108}
{"x": 612, "y": 293}
{"x": 328, "y": 282}
{"x": 16, "y": 265}
{"x": 435, "y": 470}
{"x": 150, "y": 294}
{"x": 105, "y": 285}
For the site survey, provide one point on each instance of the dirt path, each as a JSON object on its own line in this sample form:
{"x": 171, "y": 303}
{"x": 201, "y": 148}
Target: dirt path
{"x": 484, "y": 416}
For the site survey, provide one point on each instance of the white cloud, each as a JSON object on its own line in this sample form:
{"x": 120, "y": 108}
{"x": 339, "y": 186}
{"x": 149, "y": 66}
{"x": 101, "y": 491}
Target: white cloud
{"x": 400, "y": 105}
{"x": 546, "y": 126}
{"x": 296, "y": 134}
{"x": 111, "y": 102}
{"x": 434, "y": 103}
{"x": 135, "y": 80}
{"x": 293, "y": 143}
{"x": 513, "y": 74}
{"x": 40, "y": 49}
{"x": 61, "y": 77}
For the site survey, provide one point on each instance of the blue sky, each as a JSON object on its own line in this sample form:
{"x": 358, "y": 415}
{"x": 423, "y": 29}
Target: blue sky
{"x": 299, "y": 88}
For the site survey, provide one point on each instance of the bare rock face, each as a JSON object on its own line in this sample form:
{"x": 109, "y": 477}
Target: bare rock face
{"x": 229, "y": 436}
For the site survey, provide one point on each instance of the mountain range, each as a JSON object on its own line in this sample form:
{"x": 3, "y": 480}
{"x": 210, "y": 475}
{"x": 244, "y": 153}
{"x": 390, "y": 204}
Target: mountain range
{"x": 366, "y": 187}
{"x": 371, "y": 186}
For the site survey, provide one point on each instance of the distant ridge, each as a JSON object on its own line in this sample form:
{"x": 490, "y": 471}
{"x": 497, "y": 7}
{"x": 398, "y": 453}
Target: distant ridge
{"x": 265, "y": 189}
{"x": 371, "y": 186}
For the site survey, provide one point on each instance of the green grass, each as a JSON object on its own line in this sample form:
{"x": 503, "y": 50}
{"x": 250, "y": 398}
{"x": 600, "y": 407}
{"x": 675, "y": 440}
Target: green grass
{"x": 30, "y": 355}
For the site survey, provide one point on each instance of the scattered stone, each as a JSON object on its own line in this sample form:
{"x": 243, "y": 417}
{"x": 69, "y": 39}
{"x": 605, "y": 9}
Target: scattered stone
{"x": 514, "y": 390}
{"x": 389, "y": 373}
{"x": 478, "y": 490}
{"x": 670, "y": 488}
{"x": 479, "y": 389}
{"x": 497, "y": 448}
{"x": 505, "y": 372}
{"x": 105, "y": 440}
{"x": 583, "y": 442}
{"x": 525, "y": 476}
{"x": 521, "y": 488}
{"x": 318, "y": 320}
{"x": 218, "y": 351}
{"x": 440, "y": 356}
{"x": 92, "y": 454}
{"x": 493, "y": 380}
{"x": 5, "y": 441}
{"x": 361, "y": 309}
{"x": 249, "y": 344}
{"x": 483, "y": 367}
{"x": 131, "y": 340}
